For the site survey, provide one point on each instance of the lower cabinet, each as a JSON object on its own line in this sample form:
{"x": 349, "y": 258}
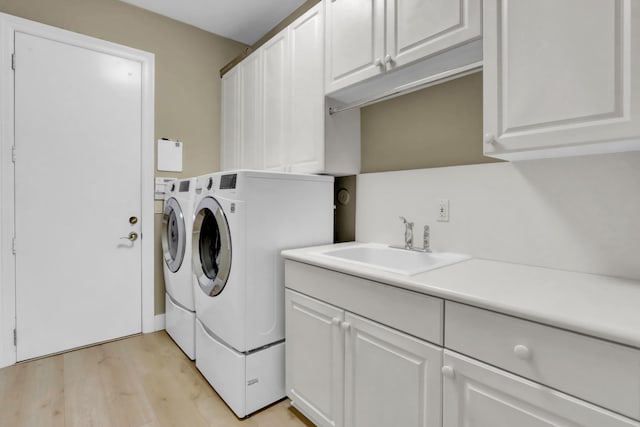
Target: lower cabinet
{"x": 479, "y": 395}
{"x": 347, "y": 367}
{"x": 344, "y": 370}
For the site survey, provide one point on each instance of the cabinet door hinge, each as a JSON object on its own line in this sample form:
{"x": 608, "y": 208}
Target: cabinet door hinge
{"x": 13, "y": 246}
{"x": 13, "y": 154}
{"x": 13, "y": 61}
{"x": 15, "y": 337}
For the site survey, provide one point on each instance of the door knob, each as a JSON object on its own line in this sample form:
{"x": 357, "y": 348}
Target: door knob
{"x": 132, "y": 236}
{"x": 133, "y": 220}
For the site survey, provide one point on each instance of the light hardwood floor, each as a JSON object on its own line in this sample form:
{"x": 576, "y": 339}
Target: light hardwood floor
{"x": 143, "y": 380}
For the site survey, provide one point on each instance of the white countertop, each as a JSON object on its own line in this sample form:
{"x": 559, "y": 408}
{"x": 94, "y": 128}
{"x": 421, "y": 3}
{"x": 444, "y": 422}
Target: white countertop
{"x": 600, "y": 306}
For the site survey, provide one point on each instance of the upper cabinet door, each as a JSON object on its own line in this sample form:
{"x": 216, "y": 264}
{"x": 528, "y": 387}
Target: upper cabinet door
{"x": 306, "y": 145}
{"x": 417, "y": 29}
{"x": 275, "y": 61}
{"x": 229, "y": 122}
{"x": 354, "y": 41}
{"x": 251, "y": 135}
{"x": 561, "y": 78}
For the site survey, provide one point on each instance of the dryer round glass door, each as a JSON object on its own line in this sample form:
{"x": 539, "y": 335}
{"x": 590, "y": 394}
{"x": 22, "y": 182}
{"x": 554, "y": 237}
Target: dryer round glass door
{"x": 211, "y": 247}
{"x": 173, "y": 235}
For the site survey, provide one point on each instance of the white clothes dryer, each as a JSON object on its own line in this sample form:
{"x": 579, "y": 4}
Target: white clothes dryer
{"x": 242, "y": 221}
{"x": 177, "y": 221}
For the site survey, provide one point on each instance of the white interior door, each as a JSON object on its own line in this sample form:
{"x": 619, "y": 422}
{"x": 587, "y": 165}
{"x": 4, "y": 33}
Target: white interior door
{"x": 77, "y": 183}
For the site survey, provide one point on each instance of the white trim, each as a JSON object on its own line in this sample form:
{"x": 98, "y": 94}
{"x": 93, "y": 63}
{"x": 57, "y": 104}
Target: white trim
{"x": 8, "y": 26}
{"x": 159, "y": 323}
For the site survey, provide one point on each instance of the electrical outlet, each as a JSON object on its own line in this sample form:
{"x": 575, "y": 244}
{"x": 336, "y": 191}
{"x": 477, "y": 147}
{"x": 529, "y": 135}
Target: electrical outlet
{"x": 443, "y": 210}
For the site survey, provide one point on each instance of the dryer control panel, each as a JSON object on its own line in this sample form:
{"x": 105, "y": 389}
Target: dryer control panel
{"x": 228, "y": 182}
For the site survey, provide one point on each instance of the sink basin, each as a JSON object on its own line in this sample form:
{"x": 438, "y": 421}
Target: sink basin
{"x": 399, "y": 261}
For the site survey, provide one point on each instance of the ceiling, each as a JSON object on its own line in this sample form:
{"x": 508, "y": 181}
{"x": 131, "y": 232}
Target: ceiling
{"x": 243, "y": 20}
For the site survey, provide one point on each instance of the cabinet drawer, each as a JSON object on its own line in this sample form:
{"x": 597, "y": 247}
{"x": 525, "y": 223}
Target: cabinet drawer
{"x": 416, "y": 314}
{"x": 598, "y": 371}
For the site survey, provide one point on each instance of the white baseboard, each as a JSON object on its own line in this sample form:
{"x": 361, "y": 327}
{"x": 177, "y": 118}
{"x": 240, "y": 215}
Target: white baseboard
{"x": 158, "y": 322}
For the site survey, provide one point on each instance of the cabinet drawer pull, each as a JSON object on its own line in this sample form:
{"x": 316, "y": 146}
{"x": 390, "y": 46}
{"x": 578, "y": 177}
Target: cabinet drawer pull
{"x": 335, "y": 321}
{"x": 448, "y": 372}
{"x": 489, "y": 138}
{"x": 522, "y": 352}
{"x": 346, "y": 326}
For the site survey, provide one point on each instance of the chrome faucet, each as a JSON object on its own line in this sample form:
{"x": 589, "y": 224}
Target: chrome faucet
{"x": 408, "y": 238}
{"x": 408, "y": 233}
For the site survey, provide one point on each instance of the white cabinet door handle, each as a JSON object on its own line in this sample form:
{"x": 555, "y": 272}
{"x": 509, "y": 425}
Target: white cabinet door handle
{"x": 388, "y": 59}
{"x": 345, "y": 326}
{"x": 448, "y": 372}
{"x": 378, "y": 62}
{"x": 489, "y": 138}
{"x": 335, "y": 321}
{"x": 522, "y": 352}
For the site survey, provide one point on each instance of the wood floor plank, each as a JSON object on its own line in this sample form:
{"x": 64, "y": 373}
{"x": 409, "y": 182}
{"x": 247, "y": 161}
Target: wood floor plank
{"x": 33, "y": 394}
{"x": 140, "y": 381}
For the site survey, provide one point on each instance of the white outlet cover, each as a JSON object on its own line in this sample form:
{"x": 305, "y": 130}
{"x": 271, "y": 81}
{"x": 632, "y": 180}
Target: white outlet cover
{"x": 443, "y": 210}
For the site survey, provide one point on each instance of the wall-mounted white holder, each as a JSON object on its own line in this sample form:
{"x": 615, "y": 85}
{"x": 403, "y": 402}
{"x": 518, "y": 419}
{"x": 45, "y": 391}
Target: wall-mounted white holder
{"x": 169, "y": 155}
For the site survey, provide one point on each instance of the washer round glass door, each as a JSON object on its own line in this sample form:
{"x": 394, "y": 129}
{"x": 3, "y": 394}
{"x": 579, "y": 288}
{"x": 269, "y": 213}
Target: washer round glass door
{"x": 211, "y": 247}
{"x": 173, "y": 235}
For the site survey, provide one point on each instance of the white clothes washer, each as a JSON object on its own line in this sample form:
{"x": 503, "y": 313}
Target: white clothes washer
{"x": 177, "y": 221}
{"x": 242, "y": 221}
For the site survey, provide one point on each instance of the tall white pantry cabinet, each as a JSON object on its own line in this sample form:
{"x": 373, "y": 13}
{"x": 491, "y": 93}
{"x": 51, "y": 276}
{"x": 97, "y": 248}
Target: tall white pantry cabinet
{"x": 274, "y": 113}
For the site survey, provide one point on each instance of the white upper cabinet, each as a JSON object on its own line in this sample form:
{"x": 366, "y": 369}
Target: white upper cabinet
{"x": 230, "y": 121}
{"x": 275, "y": 60}
{"x": 354, "y": 41}
{"x": 561, "y": 78}
{"x": 251, "y": 119}
{"x": 273, "y": 108}
{"x": 417, "y": 29}
{"x": 306, "y": 146}
{"x": 365, "y": 38}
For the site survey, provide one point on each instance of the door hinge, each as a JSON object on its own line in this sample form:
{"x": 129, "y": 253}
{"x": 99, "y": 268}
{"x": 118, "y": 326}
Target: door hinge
{"x": 13, "y": 61}
{"x": 13, "y": 154}
{"x": 13, "y": 246}
{"x": 15, "y": 337}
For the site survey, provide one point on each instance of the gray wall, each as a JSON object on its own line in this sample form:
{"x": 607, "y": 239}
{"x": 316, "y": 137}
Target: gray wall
{"x": 437, "y": 126}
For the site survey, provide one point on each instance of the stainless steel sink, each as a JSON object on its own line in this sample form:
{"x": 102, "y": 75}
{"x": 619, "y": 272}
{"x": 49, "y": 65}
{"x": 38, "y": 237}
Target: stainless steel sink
{"x": 400, "y": 261}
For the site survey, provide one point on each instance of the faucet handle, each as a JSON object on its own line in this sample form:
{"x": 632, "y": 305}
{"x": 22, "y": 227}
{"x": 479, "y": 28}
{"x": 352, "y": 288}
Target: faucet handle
{"x": 405, "y": 222}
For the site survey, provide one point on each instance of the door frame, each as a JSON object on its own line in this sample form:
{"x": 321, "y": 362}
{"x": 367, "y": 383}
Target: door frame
{"x": 8, "y": 26}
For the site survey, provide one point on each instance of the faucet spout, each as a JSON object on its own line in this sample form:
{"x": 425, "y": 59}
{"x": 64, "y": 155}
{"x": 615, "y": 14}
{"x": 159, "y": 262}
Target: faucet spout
{"x": 408, "y": 233}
